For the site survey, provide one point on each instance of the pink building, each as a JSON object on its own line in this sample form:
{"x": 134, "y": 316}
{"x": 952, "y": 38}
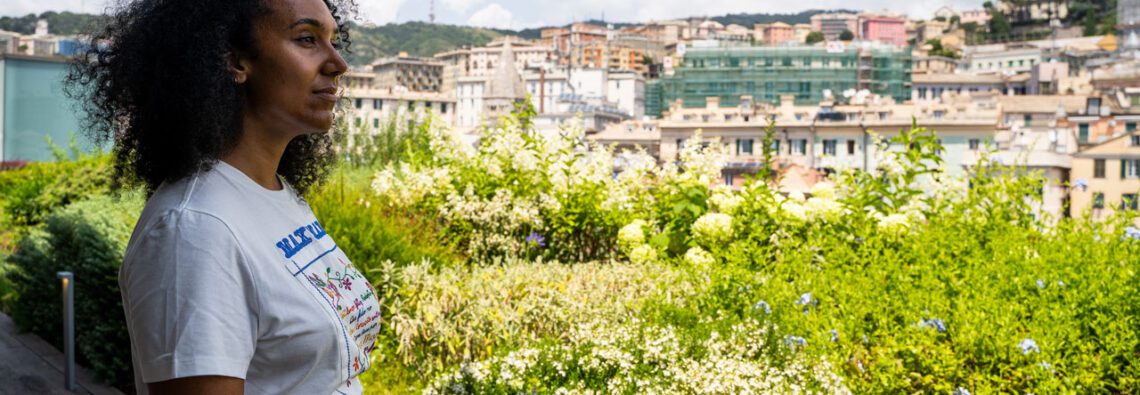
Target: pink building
{"x": 779, "y": 33}
{"x": 883, "y": 28}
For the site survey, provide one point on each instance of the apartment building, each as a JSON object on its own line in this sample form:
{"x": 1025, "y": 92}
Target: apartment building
{"x": 1106, "y": 177}
{"x": 808, "y": 73}
{"x": 413, "y": 74}
{"x": 833, "y": 24}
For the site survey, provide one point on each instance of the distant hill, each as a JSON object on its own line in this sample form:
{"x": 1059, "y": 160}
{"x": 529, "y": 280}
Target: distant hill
{"x": 415, "y": 38}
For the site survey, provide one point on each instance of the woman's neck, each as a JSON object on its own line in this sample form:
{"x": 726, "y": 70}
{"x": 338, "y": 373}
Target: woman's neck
{"x": 258, "y": 154}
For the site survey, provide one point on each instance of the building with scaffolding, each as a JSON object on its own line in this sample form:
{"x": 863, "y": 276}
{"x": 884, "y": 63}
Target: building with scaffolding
{"x": 809, "y": 73}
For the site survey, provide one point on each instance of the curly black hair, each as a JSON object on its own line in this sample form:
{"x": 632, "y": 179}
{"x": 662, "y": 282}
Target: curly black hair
{"x": 156, "y": 83}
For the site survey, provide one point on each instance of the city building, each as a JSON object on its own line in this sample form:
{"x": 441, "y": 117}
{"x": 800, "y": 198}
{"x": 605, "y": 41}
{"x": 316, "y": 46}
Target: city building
{"x": 885, "y": 28}
{"x": 33, "y": 108}
{"x": 775, "y": 33}
{"x": 929, "y": 30}
{"x": 1001, "y": 58}
{"x": 1106, "y": 177}
{"x": 481, "y": 100}
{"x": 1033, "y": 133}
{"x": 832, "y": 25}
{"x": 930, "y": 87}
{"x": 630, "y": 136}
{"x": 480, "y": 62}
{"x": 566, "y": 40}
{"x": 824, "y": 137}
{"x": 934, "y": 65}
{"x": 370, "y": 110}
{"x": 413, "y": 74}
{"x": 809, "y": 73}
{"x": 979, "y": 17}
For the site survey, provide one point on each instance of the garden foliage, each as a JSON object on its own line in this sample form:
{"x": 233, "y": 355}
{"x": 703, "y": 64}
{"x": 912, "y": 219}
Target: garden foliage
{"x": 896, "y": 279}
{"x": 88, "y": 239}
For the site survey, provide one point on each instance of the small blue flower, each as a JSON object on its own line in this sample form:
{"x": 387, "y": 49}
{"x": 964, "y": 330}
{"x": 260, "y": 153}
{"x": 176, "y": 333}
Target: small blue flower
{"x": 935, "y": 323}
{"x": 995, "y": 159}
{"x": 865, "y": 339}
{"x": 1040, "y": 284}
{"x": 804, "y": 299}
{"x": 536, "y": 238}
{"x": 859, "y": 240}
{"x": 834, "y": 336}
{"x": 1060, "y": 283}
{"x": 1132, "y": 233}
{"x": 1027, "y": 346}
{"x": 1047, "y": 366}
{"x": 762, "y": 305}
{"x": 960, "y": 391}
{"x": 795, "y": 340}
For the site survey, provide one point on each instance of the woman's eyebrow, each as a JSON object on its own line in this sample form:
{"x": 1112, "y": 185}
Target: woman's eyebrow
{"x": 306, "y": 21}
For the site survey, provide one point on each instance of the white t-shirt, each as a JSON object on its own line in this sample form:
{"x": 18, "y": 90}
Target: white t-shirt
{"x": 224, "y": 277}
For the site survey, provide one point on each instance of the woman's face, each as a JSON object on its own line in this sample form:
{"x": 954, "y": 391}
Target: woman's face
{"x": 291, "y": 85}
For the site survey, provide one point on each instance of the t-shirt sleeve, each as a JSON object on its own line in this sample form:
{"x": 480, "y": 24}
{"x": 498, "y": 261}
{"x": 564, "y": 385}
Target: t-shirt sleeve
{"x": 190, "y": 299}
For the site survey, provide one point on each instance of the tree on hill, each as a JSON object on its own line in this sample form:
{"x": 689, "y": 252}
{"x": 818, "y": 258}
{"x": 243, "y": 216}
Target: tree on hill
{"x": 814, "y": 37}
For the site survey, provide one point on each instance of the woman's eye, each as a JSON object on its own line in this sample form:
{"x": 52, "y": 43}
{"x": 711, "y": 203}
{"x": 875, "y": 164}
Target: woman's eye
{"x": 308, "y": 40}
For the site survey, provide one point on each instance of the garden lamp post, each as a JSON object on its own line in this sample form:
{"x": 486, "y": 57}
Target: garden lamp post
{"x": 68, "y": 282}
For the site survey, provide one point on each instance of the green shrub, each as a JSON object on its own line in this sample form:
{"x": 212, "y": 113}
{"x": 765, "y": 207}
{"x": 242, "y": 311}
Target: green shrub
{"x": 87, "y": 238}
{"x": 372, "y": 233}
{"x": 31, "y": 193}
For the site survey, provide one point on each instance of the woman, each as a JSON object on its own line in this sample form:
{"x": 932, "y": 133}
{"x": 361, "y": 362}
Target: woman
{"x": 221, "y": 109}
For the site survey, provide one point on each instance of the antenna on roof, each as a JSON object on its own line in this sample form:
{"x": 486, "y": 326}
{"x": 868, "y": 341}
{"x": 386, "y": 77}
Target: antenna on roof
{"x": 431, "y": 13}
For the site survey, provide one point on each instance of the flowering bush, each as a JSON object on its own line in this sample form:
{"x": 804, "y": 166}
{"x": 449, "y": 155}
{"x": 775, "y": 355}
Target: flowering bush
{"x": 900, "y": 279}
{"x": 628, "y": 358}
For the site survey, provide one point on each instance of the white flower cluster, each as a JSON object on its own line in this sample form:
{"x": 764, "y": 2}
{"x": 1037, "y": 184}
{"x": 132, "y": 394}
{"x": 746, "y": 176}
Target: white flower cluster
{"x": 633, "y": 357}
{"x": 713, "y": 229}
{"x": 457, "y": 313}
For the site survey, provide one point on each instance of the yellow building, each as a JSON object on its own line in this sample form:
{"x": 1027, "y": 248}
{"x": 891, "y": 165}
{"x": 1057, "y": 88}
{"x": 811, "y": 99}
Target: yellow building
{"x": 1106, "y": 177}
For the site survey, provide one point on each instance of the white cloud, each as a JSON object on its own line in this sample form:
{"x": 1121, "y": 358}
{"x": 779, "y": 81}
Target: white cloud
{"x": 461, "y": 6}
{"x": 379, "y": 11}
{"x": 493, "y": 15}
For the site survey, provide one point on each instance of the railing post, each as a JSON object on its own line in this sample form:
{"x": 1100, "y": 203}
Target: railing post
{"x": 68, "y": 282}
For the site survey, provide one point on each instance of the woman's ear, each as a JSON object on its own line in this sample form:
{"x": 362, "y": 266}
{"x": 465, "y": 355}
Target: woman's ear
{"x": 239, "y": 67}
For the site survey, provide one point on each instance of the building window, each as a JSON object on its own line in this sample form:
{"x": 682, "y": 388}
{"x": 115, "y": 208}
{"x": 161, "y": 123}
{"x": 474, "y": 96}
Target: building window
{"x": 1028, "y": 120}
{"x": 358, "y": 122}
{"x": 377, "y": 104}
{"x": 939, "y": 114}
{"x": 1098, "y": 199}
{"x": 744, "y": 146}
{"x": 1136, "y": 141}
{"x": 1083, "y": 133}
{"x": 728, "y": 179}
{"x": 375, "y": 123}
{"x": 1128, "y": 202}
{"x": 776, "y": 146}
{"x": 1129, "y": 168}
{"x": 1130, "y": 127}
{"x": 1098, "y": 168}
{"x": 443, "y": 108}
{"x": 798, "y": 147}
{"x": 829, "y": 147}
{"x": 975, "y": 144}
{"x": 359, "y": 103}
{"x": 850, "y": 147}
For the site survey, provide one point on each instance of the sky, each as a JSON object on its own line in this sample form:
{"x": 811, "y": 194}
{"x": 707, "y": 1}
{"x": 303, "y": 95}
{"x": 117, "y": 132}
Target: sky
{"x": 520, "y": 14}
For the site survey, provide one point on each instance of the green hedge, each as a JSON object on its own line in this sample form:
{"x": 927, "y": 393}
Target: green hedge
{"x": 87, "y": 238}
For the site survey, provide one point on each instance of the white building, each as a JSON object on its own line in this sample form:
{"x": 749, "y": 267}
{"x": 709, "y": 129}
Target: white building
{"x": 1001, "y": 58}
